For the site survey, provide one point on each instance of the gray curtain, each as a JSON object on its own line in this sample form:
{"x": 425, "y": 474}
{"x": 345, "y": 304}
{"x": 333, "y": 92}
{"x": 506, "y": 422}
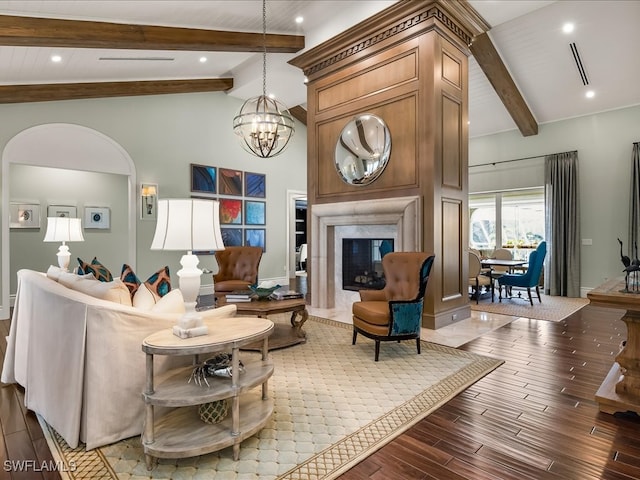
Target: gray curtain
{"x": 562, "y": 230}
{"x": 634, "y": 207}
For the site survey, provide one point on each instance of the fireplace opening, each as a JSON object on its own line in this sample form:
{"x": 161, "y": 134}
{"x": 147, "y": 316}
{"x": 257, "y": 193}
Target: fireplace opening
{"x": 362, "y": 262}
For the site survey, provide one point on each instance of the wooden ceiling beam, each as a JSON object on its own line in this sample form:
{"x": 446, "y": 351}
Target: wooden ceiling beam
{"x": 49, "y": 32}
{"x": 74, "y": 91}
{"x": 493, "y": 67}
{"x": 299, "y": 113}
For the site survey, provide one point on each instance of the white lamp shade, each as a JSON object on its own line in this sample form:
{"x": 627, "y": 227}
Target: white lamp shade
{"x": 188, "y": 224}
{"x": 63, "y": 229}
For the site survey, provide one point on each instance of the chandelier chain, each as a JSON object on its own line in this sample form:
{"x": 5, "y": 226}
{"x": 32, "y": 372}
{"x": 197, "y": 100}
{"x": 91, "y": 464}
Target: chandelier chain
{"x": 264, "y": 48}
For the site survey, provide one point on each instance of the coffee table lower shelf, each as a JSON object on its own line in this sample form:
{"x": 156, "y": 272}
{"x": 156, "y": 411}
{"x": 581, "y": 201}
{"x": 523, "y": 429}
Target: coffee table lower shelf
{"x": 180, "y": 433}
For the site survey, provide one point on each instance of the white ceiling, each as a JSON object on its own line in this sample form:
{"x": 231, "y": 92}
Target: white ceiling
{"x": 527, "y": 33}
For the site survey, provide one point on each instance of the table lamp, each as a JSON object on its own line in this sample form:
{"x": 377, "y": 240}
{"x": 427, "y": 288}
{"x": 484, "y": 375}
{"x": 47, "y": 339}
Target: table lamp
{"x": 188, "y": 224}
{"x": 63, "y": 229}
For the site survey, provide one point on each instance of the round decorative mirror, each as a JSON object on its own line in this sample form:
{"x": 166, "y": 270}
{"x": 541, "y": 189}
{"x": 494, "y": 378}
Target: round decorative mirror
{"x": 363, "y": 149}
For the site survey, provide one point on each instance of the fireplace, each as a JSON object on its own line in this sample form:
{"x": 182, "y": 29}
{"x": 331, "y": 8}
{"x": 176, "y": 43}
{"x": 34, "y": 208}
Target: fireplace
{"x": 362, "y": 262}
{"x": 396, "y": 218}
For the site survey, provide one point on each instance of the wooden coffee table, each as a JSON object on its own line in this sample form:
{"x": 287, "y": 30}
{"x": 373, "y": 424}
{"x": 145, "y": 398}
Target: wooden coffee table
{"x": 283, "y": 335}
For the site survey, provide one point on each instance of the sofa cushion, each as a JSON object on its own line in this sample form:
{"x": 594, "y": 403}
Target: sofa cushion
{"x": 114, "y": 291}
{"x": 69, "y": 279}
{"x": 101, "y": 272}
{"x": 54, "y": 272}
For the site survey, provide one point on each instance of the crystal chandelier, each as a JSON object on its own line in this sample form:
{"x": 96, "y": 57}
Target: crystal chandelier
{"x": 263, "y": 124}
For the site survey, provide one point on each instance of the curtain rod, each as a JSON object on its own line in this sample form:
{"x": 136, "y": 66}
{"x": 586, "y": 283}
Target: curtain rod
{"x": 517, "y": 159}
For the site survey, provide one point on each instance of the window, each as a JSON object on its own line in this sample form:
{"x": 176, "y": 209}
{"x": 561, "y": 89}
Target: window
{"x": 513, "y": 220}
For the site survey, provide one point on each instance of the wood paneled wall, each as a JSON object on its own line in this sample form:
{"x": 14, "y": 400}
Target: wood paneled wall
{"x": 408, "y": 65}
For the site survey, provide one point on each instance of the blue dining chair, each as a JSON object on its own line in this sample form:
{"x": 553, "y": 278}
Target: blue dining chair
{"x": 529, "y": 279}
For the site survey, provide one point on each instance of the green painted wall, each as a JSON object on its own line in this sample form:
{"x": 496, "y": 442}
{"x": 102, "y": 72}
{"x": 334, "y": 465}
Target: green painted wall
{"x": 163, "y": 134}
{"x": 604, "y": 144}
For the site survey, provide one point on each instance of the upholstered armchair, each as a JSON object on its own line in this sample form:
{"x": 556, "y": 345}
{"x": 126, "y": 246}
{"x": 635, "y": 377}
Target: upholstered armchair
{"x": 529, "y": 279}
{"x": 395, "y": 312}
{"x": 237, "y": 268}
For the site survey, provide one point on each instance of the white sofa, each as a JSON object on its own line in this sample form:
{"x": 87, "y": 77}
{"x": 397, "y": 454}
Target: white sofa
{"x": 80, "y": 359}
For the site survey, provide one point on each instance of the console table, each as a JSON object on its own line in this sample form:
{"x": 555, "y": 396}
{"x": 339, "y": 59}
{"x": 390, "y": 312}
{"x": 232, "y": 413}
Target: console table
{"x": 620, "y": 390}
{"x": 180, "y": 433}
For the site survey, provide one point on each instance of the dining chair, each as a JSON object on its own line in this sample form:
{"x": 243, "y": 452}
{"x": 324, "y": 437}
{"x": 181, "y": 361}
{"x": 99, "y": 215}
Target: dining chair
{"x": 529, "y": 279}
{"x": 476, "y": 278}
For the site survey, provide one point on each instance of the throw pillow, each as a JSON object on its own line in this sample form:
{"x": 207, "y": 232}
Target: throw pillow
{"x": 101, "y": 272}
{"x": 145, "y": 300}
{"x": 130, "y": 279}
{"x": 172, "y": 302}
{"x": 158, "y": 284}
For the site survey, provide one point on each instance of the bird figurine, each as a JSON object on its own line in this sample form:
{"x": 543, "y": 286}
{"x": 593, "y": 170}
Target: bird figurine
{"x": 626, "y": 261}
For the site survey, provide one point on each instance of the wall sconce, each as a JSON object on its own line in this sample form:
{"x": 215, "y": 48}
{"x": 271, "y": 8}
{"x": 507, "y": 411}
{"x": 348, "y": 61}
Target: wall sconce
{"x": 149, "y": 201}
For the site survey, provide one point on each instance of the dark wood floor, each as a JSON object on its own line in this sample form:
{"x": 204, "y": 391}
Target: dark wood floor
{"x": 532, "y": 418}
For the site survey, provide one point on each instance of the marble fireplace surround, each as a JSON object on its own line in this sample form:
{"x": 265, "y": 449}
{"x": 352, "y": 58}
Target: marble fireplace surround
{"x": 402, "y": 215}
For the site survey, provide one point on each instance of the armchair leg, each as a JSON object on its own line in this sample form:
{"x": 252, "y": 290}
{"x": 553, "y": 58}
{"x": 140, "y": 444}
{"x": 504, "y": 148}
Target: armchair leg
{"x": 538, "y": 292}
{"x": 355, "y": 334}
{"x": 530, "y": 298}
{"x": 418, "y": 344}
{"x": 377, "y": 350}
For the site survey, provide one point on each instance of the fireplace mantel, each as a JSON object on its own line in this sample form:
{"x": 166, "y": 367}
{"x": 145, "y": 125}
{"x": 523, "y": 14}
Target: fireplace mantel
{"x": 402, "y": 213}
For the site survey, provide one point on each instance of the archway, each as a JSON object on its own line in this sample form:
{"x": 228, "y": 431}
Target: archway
{"x": 72, "y": 147}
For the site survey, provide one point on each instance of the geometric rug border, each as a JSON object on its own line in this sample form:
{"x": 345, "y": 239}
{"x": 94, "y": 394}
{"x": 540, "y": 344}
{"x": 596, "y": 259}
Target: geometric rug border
{"x": 79, "y": 464}
{"x": 344, "y": 454}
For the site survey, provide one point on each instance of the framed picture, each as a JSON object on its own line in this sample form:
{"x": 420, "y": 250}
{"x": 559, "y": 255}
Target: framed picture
{"x": 255, "y": 185}
{"x": 255, "y": 237}
{"x": 24, "y": 215}
{"x": 96, "y": 217}
{"x": 229, "y": 182}
{"x": 203, "y": 179}
{"x": 61, "y": 211}
{"x": 230, "y": 211}
{"x": 231, "y": 237}
{"x": 254, "y": 212}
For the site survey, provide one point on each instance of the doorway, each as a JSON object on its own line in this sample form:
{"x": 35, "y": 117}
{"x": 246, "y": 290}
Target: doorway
{"x": 296, "y": 230}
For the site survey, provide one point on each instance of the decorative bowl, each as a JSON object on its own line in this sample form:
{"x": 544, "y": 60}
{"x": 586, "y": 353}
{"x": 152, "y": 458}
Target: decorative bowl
{"x": 262, "y": 292}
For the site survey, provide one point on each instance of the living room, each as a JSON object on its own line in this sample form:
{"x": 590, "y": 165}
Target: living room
{"x": 164, "y": 135}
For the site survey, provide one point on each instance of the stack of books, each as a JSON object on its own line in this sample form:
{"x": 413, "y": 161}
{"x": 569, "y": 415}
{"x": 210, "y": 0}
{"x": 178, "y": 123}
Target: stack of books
{"x": 285, "y": 295}
{"x": 239, "y": 296}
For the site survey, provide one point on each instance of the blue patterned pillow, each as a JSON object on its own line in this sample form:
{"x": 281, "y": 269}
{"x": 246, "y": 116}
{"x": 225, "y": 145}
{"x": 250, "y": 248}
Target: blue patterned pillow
{"x": 159, "y": 284}
{"x": 101, "y": 272}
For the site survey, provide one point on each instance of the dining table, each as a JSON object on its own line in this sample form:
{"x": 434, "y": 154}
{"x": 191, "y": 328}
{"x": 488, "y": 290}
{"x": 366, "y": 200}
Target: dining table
{"x": 490, "y": 263}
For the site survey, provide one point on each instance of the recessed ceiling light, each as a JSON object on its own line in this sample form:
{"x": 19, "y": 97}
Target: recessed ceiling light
{"x": 56, "y": 58}
{"x": 299, "y": 19}
{"x": 306, "y": 79}
{"x": 203, "y": 59}
{"x": 590, "y": 94}
{"x": 568, "y": 27}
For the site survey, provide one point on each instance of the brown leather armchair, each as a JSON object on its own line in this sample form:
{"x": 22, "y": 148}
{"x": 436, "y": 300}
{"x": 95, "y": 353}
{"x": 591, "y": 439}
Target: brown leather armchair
{"x": 237, "y": 268}
{"x": 395, "y": 312}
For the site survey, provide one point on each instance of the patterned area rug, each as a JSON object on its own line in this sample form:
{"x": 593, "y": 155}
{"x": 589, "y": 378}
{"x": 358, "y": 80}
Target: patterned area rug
{"x": 552, "y": 308}
{"x": 333, "y": 407}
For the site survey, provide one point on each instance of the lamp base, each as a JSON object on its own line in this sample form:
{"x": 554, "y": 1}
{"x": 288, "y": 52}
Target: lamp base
{"x": 64, "y": 256}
